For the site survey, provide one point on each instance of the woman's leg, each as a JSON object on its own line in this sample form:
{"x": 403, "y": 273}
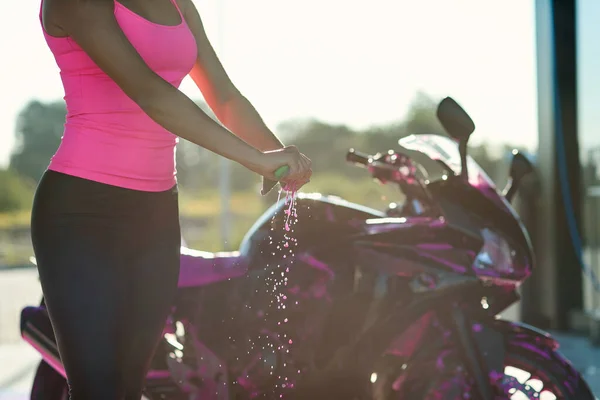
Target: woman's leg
{"x": 153, "y": 275}
{"x": 84, "y": 298}
{"x": 90, "y": 241}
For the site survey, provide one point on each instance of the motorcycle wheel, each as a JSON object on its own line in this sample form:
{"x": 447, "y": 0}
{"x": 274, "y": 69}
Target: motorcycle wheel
{"x": 49, "y": 384}
{"x": 527, "y": 375}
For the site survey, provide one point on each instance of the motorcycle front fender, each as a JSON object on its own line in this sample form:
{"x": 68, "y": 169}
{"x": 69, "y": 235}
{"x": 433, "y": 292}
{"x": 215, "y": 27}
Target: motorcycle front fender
{"x": 493, "y": 337}
{"x": 518, "y": 331}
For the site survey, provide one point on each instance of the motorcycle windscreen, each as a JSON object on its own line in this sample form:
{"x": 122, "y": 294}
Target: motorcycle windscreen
{"x": 446, "y": 150}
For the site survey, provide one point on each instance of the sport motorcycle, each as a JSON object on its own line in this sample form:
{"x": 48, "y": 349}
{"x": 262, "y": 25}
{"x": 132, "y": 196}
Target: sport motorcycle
{"x": 330, "y": 299}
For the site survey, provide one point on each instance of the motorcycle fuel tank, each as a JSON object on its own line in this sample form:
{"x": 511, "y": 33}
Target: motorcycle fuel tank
{"x": 314, "y": 220}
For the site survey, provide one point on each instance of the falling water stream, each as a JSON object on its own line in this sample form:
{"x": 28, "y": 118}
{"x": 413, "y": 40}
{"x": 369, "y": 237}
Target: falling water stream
{"x": 278, "y": 279}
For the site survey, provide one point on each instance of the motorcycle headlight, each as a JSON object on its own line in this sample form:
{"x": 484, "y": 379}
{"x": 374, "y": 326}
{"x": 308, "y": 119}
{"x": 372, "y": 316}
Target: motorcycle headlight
{"x": 496, "y": 254}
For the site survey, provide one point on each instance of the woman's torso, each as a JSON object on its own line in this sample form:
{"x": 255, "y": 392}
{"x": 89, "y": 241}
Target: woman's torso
{"x": 107, "y": 137}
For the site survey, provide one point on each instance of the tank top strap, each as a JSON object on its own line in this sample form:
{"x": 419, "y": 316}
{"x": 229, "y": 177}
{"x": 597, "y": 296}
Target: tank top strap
{"x": 178, "y": 9}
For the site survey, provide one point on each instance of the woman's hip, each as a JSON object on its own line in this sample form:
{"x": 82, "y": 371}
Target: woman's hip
{"x": 71, "y": 207}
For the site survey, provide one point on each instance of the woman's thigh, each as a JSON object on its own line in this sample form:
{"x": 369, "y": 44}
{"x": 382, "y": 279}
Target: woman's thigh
{"x": 85, "y": 296}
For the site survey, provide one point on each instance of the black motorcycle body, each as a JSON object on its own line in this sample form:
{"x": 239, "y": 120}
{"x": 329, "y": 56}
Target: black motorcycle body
{"x": 401, "y": 304}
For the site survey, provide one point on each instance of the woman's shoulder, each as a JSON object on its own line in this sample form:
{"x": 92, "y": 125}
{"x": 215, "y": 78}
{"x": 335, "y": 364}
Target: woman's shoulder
{"x": 63, "y": 10}
{"x": 50, "y": 17}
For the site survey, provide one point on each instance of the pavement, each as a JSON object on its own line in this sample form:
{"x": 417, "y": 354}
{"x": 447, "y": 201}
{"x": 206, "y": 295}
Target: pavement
{"x": 18, "y": 360}
{"x": 584, "y": 357}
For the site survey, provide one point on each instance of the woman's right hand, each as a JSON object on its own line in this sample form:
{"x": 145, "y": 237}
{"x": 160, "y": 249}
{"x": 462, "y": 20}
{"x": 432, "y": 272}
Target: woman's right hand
{"x": 300, "y": 165}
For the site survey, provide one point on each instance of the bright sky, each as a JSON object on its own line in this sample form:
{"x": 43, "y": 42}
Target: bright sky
{"x": 353, "y": 62}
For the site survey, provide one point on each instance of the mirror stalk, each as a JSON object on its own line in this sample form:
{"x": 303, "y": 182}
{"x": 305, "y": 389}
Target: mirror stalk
{"x": 511, "y": 189}
{"x": 519, "y": 167}
{"x": 462, "y": 149}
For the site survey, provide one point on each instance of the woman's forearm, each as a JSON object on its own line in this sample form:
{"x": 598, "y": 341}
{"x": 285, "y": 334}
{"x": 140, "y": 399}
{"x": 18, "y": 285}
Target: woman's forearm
{"x": 241, "y": 118}
{"x": 177, "y": 113}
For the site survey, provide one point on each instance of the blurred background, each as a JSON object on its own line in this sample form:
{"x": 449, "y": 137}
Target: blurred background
{"x": 330, "y": 75}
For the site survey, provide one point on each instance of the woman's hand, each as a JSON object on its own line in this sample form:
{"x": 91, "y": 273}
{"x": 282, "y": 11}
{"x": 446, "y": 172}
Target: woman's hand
{"x": 300, "y": 166}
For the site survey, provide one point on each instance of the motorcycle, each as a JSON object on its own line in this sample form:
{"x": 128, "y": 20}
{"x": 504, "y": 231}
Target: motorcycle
{"x": 331, "y": 299}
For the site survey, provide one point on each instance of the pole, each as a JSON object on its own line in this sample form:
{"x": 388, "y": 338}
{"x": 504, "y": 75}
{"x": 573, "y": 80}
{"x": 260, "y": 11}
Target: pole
{"x": 224, "y": 164}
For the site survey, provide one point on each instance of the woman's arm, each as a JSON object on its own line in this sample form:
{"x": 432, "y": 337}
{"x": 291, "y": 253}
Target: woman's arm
{"x": 92, "y": 24}
{"x": 228, "y": 104}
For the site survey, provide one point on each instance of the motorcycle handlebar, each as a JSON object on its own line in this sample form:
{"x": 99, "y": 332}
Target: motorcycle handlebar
{"x": 389, "y": 170}
{"x": 356, "y": 157}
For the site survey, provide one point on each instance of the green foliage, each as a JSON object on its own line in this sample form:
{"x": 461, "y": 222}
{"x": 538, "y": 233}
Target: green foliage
{"x": 248, "y": 206}
{"x": 39, "y": 129}
{"x": 16, "y": 193}
{"x": 361, "y": 189}
{"x": 326, "y": 145}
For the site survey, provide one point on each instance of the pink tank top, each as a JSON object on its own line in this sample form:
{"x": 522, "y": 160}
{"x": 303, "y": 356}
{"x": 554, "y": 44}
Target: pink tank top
{"x": 107, "y": 137}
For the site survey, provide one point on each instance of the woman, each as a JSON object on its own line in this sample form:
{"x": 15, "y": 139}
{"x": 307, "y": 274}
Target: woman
{"x": 105, "y": 224}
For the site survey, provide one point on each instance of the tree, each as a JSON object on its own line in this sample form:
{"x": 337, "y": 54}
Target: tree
{"x": 39, "y": 129}
{"x": 16, "y": 193}
{"x": 327, "y": 144}
{"x": 421, "y": 116}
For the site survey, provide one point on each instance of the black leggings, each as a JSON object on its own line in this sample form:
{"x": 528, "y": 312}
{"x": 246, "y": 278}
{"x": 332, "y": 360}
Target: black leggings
{"x": 108, "y": 260}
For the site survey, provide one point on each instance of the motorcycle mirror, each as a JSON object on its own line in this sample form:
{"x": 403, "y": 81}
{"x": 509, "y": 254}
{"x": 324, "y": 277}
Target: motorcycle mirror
{"x": 520, "y": 166}
{"x": 455, "y": 120}
{"x": 459, "y": 125}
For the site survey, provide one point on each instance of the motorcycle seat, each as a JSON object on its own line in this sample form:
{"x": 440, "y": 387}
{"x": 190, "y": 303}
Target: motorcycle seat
{"x": 36, "y": 318}
{"x": 199, "y": 268}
